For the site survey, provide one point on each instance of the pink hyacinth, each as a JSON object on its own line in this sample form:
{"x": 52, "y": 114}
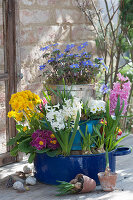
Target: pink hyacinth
{"x": 122, "y": 78}
{"x": 44, "y": 102}
{"x": 121, "y": 89}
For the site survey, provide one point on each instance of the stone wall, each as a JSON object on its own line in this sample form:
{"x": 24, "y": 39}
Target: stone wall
{"x": 47, "y": 21}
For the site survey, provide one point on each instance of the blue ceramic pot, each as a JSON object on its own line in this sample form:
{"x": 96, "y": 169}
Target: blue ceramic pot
{"x": 50, "y": 169}
{"x": 78, "y": 139}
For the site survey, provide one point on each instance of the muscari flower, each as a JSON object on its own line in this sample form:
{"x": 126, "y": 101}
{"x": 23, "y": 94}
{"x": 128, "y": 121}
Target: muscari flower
{"x": 82, "y": 46}
{"x": 104, "y": 88}
{"x": 41, "y": 67}
{"x": 74, "y": 66}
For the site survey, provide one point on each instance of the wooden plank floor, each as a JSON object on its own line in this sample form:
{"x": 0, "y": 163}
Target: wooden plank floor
{"x": 124, "y": 191}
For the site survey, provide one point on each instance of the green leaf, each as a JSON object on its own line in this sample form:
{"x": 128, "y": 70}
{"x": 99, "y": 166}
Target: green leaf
{"x": 123, "y": 103}
{"x": 31, "y": 157}
{"x": 97, "y": 131}
{"x": 19, "y": 127}
{"x": 74, "y": 131}
{"x": 14, "y": 151}
{"x": 25, "y": 146}
{"x": 19, "y": 135}
{"x": 117, "y": 142}
{"x": 42, "y": 151}
{"x": 81, "y": 133}
{"x": 117, "y": 109}
{"x": 12, "y": 141}
{"x": 55, "y": 92}
{"x": 107, "y": 159}
{"x": 52, "y": 153}
{"x": 108, "y": 113}
{"x": 47, "y": 97}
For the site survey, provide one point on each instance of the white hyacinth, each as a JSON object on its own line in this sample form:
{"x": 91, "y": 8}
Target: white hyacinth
{"x": 58, "y": 118}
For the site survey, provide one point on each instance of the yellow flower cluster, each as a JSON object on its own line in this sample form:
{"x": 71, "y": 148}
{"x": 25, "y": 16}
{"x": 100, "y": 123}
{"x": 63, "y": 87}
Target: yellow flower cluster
{"x": 23, "y": 102}
{"x": 17, "y": 116}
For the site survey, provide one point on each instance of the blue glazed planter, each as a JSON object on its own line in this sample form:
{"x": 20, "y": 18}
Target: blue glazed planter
{"x": 78, "y": 139}
{"x": 50, "y": 169}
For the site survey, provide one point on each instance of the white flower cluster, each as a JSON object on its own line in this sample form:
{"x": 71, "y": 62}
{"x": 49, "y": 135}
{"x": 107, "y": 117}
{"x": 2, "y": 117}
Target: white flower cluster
{"x": 97, "y": 106}
{"x": 58, "y": 117}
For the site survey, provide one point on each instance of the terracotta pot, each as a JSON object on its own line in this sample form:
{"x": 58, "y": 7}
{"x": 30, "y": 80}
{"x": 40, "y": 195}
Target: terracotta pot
{"x": 107, "y": 182}
{"x": 85, "y": 183}
{"x": 88, "y": 185}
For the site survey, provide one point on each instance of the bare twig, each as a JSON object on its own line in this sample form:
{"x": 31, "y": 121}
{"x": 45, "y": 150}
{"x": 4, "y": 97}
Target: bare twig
{"x": 99, "y": 18}
{"x": 111, "y": 25}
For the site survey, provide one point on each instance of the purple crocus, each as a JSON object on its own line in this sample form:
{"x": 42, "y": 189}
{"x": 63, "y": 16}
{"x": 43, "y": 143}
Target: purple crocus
{"x": 104, "y": 88}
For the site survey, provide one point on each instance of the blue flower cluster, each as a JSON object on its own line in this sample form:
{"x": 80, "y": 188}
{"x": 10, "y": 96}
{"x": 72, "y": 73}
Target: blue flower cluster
{"x": 75, "y": 60}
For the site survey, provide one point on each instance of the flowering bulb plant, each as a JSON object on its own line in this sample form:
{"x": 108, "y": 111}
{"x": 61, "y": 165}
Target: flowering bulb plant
{"x": 43, "y": 127}
{"x": 49, "y": 128}
{"x": 95, "y": 109}
{"x": 106, "y": 134}
{"x": 74, "y": 64}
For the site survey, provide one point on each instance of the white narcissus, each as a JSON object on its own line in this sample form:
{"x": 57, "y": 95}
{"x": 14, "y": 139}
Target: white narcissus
{"x": 97, "y": 106}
